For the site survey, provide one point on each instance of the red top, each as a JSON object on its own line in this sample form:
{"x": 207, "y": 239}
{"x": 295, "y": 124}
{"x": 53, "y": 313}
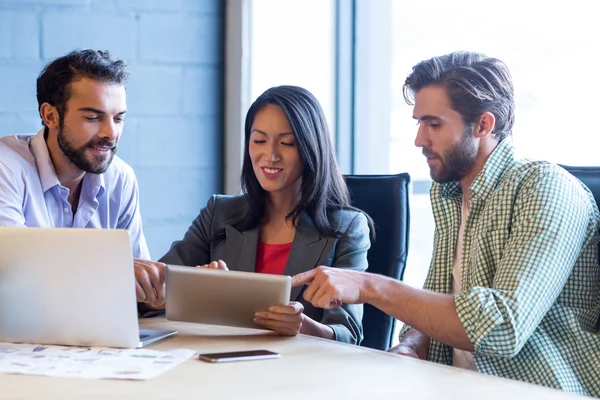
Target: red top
{"x": 271, "y": 258}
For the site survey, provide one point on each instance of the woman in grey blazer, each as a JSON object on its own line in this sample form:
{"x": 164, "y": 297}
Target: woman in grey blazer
{"x": 294, "y": 215}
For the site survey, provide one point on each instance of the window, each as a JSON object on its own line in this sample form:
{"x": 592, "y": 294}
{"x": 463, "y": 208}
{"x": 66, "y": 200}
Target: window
{"x": 271, "y": 43}
{"x": 293, "y": 43}
{"x": 547, "y": 47}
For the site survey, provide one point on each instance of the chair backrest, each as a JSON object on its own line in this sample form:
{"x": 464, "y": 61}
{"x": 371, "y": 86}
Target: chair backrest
{"x": 385, "y": 199}
{"x": 590, "y": 176}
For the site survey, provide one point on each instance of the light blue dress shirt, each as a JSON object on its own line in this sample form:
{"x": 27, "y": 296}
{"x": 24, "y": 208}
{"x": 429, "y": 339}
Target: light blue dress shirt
{"x": 32, "y": 196}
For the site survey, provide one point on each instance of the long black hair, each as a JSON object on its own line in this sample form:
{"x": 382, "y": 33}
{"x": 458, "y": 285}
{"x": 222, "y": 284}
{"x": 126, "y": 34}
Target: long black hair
{"x": 323, "y": 188}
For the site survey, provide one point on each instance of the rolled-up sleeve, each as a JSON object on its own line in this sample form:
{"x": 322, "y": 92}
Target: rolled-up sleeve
{"x": 532, "y": 263}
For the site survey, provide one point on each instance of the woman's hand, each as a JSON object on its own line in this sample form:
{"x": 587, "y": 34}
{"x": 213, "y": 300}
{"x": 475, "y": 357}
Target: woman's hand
{"x": 285, "y": 320}
{"x": 215, "y": 265}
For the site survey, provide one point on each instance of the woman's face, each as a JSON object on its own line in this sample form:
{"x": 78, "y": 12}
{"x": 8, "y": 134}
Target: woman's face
{"x": 275, "y": 158}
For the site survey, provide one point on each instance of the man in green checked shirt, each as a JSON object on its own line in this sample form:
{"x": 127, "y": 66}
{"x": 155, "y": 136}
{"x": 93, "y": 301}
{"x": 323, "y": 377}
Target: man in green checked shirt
{"x": 514, "y": 284}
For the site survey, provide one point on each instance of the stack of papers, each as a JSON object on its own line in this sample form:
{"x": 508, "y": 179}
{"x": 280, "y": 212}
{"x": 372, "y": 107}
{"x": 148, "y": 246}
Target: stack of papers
{"x": 91, "y": 363}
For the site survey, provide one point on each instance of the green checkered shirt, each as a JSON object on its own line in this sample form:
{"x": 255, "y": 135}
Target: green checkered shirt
{"x": 530, "y": 275}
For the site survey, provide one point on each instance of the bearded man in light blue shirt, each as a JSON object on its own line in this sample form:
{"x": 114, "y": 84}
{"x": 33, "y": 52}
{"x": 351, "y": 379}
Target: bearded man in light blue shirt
{"x": 67, "y": 175}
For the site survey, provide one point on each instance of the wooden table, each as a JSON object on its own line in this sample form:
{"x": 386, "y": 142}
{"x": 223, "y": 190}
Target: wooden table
{"x": 309, "y": 368}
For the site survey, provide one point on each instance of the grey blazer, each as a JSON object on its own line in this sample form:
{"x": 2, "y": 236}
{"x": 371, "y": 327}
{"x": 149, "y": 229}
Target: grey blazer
{"x": 309, "y": 250}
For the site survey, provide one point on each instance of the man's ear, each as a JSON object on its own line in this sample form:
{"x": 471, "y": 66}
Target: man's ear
{"x": 50, "y": 115}
{"x": 485, "y": 125}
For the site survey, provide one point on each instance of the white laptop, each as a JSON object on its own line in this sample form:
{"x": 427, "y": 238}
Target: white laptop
{"x": 69, "y": 286}
{"x": 218, "y": 297}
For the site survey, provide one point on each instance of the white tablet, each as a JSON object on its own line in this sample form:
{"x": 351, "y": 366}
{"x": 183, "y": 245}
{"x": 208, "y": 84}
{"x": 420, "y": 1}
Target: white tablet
{"x": 217, "y": 297}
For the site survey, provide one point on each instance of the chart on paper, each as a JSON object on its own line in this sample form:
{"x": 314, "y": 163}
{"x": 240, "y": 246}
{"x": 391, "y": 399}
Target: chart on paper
{"x": 90, "y": 363}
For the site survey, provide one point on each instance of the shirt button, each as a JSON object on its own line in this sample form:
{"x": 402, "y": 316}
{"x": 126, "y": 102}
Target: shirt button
{"x": 66, "y": 209}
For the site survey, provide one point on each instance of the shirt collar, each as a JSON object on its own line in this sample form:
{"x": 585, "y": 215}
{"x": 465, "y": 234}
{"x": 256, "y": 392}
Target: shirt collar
{"x": 485, "y": 182}
{"x": 95, "y": 184}
{"x": 46, "y": 170}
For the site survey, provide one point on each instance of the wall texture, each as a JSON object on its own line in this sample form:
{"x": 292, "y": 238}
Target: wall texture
{"x": 173, "y": 132}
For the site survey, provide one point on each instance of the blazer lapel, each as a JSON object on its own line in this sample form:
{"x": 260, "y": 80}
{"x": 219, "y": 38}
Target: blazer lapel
{"x": 306, "y": 251}
{"x": 240, "y": 248}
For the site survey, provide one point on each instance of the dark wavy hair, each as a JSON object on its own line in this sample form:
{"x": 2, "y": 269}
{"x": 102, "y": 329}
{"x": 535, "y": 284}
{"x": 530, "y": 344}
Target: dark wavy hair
{"x": 54, "y": 82}
{"x": 323, "y": 188}
{"x": 474, "y": 83}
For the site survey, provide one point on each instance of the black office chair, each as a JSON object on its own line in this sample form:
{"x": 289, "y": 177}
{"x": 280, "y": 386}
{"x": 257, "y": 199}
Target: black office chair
{"x": 385, "y": 199}
{"x": 590, "y": 176}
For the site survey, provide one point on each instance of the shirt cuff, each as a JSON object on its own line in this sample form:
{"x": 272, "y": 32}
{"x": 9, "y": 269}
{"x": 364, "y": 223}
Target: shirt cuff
{"x": 482, "y": 320}
{"x": 342, "y": 334}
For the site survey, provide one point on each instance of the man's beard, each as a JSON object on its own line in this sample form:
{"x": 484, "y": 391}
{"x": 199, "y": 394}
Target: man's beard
{"x": 77, "y": 155}
{"x": 457, "y": 161}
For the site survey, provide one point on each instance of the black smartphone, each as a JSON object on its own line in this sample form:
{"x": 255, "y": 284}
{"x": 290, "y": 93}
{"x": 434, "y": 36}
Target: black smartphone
{"x": 238, "y": 356}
